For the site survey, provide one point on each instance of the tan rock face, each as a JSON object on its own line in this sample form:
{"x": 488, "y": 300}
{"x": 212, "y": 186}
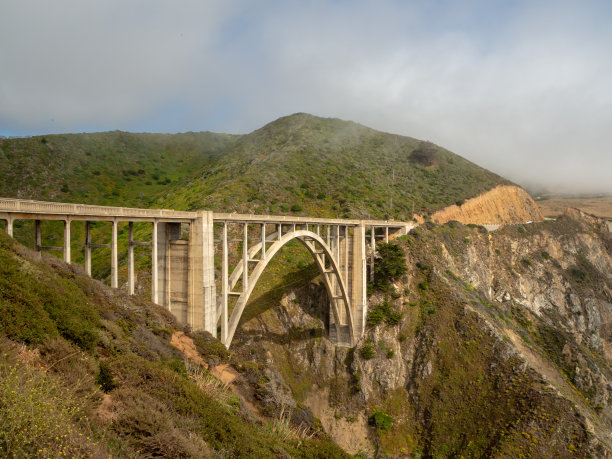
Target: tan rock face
{"x": 502, "y": 204}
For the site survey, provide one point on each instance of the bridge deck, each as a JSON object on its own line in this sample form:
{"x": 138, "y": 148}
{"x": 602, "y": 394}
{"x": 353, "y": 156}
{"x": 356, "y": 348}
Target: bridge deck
{"x": 60, "y": 211}
{"x": 26, "y": 209}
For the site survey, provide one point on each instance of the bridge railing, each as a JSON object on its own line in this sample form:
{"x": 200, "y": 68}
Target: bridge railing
{"x": 69, "y": 209}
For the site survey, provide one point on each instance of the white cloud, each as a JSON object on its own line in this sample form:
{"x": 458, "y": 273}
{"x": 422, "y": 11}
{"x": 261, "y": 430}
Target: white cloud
{"x": 519, "y": 87}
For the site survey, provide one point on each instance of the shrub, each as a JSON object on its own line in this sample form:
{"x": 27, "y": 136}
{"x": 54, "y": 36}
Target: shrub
{"x": 545, "y": 255}
{"x": 579, "y": 275}
{"x": 296, "y": 208}
{"x": 367, "y": 351}
{"x": 105, "y": 378}
{"x": 383, "y": 312}
{"x": 209, "y": 346}
{"x": 382, "y": 420}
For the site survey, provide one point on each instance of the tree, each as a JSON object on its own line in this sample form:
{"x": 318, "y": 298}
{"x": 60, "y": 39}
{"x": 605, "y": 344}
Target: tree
{"x": 390, "y": 264}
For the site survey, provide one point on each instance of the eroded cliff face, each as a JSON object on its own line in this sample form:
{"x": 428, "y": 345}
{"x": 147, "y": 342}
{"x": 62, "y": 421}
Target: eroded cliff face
{"x": 503, "y": 348}
{"x": 502, "y": 204}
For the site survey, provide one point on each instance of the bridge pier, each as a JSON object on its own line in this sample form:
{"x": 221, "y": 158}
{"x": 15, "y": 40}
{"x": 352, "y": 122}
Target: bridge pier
{"x": 67, "y": 240}
{"x": 131, "y": 258}
{"x": 9, "y": 226}
{"x": 114, "y": 257}
{"x": 88, "y": 248}
{"x": 359, "y": 280}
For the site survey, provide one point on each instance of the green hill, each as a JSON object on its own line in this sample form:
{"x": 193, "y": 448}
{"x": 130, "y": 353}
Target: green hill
{"x": 302, "y": 164}
{"x": 111, "y": 168}
{"x": 299, "y": 164}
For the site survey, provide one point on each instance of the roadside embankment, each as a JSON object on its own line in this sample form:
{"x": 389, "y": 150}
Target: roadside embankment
{"x": 503, "y": 204}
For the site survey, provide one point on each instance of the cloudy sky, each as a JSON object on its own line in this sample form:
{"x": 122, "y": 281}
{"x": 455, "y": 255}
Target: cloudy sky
{"x": 523, "y": 88}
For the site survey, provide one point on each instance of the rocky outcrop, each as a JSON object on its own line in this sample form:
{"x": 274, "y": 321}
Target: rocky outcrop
{"x": 503, "y": 204}
{"x": 503, "y": 348}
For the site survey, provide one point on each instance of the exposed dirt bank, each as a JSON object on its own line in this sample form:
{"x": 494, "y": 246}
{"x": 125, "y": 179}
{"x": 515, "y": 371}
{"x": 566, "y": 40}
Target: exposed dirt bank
{"x": 502, "y": 204}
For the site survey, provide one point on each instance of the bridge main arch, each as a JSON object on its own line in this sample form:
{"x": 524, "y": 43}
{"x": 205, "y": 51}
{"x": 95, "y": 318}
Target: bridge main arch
{"x": 328, "y": 266}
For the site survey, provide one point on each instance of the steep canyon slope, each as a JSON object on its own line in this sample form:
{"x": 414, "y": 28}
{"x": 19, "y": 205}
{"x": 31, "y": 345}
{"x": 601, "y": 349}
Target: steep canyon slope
{"x": 492, "y": 344}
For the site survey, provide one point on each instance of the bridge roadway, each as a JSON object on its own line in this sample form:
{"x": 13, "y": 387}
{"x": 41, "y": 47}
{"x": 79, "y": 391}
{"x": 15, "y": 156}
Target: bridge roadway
{"x": 183, "y": 274}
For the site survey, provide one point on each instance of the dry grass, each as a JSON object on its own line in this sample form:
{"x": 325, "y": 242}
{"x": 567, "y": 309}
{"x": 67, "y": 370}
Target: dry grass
{"x": 211, "y": 386}
{"x": 602, "y": 207}
{"x": 281, "y": 427}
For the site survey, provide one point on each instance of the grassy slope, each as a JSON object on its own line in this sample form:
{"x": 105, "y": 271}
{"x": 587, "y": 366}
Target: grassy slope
{"x": 78, "y": 340}
{"x": 325, "y": 166}
{"x": 328, "y": 167}
{"x": 111, "y": 168}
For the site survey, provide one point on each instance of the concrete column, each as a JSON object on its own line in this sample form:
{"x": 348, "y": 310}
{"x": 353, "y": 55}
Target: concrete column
{"x": 359, "y": 290}
{"x": 9, "y": 226}
{"x": 387, "y": 234}
{"x": 279, "y": 229}
{"x": 202, "y": 301}
{"x": 154, "y": 267}
{"x": 372, "y": 251}
{"x": 263, "y": 241}
{"x": 114, "y": 261}
{"x": 328, "y": 239}
{"x": 167, "y": 232}
{"x": 131, "y": 259}
{"x": 337, "y": 234}
{"x": 318, "y": 230}
{"x": 37, "y": 235}
{"x": 210, "y": 288}
{"x": 67, "y": 240}
{"x": 346, "y": 256}
{"x": 88, "y": 248}
{"x": 245, "y": 258}
{"x": 224, "y": 286}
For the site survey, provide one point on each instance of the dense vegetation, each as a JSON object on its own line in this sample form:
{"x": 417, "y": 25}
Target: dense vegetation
{"x": 86, "y": 373}
{"x": 297, "y": 164}
{"x": 307, "y": 165}
{"x": 110, "y": 168}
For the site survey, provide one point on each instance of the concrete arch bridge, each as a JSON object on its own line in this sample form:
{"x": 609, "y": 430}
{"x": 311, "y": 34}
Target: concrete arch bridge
{"x": 184, "y": 246}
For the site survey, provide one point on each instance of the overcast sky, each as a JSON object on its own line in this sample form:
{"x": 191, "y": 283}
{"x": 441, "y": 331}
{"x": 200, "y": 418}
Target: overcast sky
{"x": 523, "y": 88}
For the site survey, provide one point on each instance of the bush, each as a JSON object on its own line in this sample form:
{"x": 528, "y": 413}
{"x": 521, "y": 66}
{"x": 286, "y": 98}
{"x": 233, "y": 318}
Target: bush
{"x": 382, "y": 420}
{"x": 208, "y": 346}
{"x": 105, "y": 378}
{"x": 383, "y": 312}
{"x": 367, "y": 351}
{"x": 296, "y": 208}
